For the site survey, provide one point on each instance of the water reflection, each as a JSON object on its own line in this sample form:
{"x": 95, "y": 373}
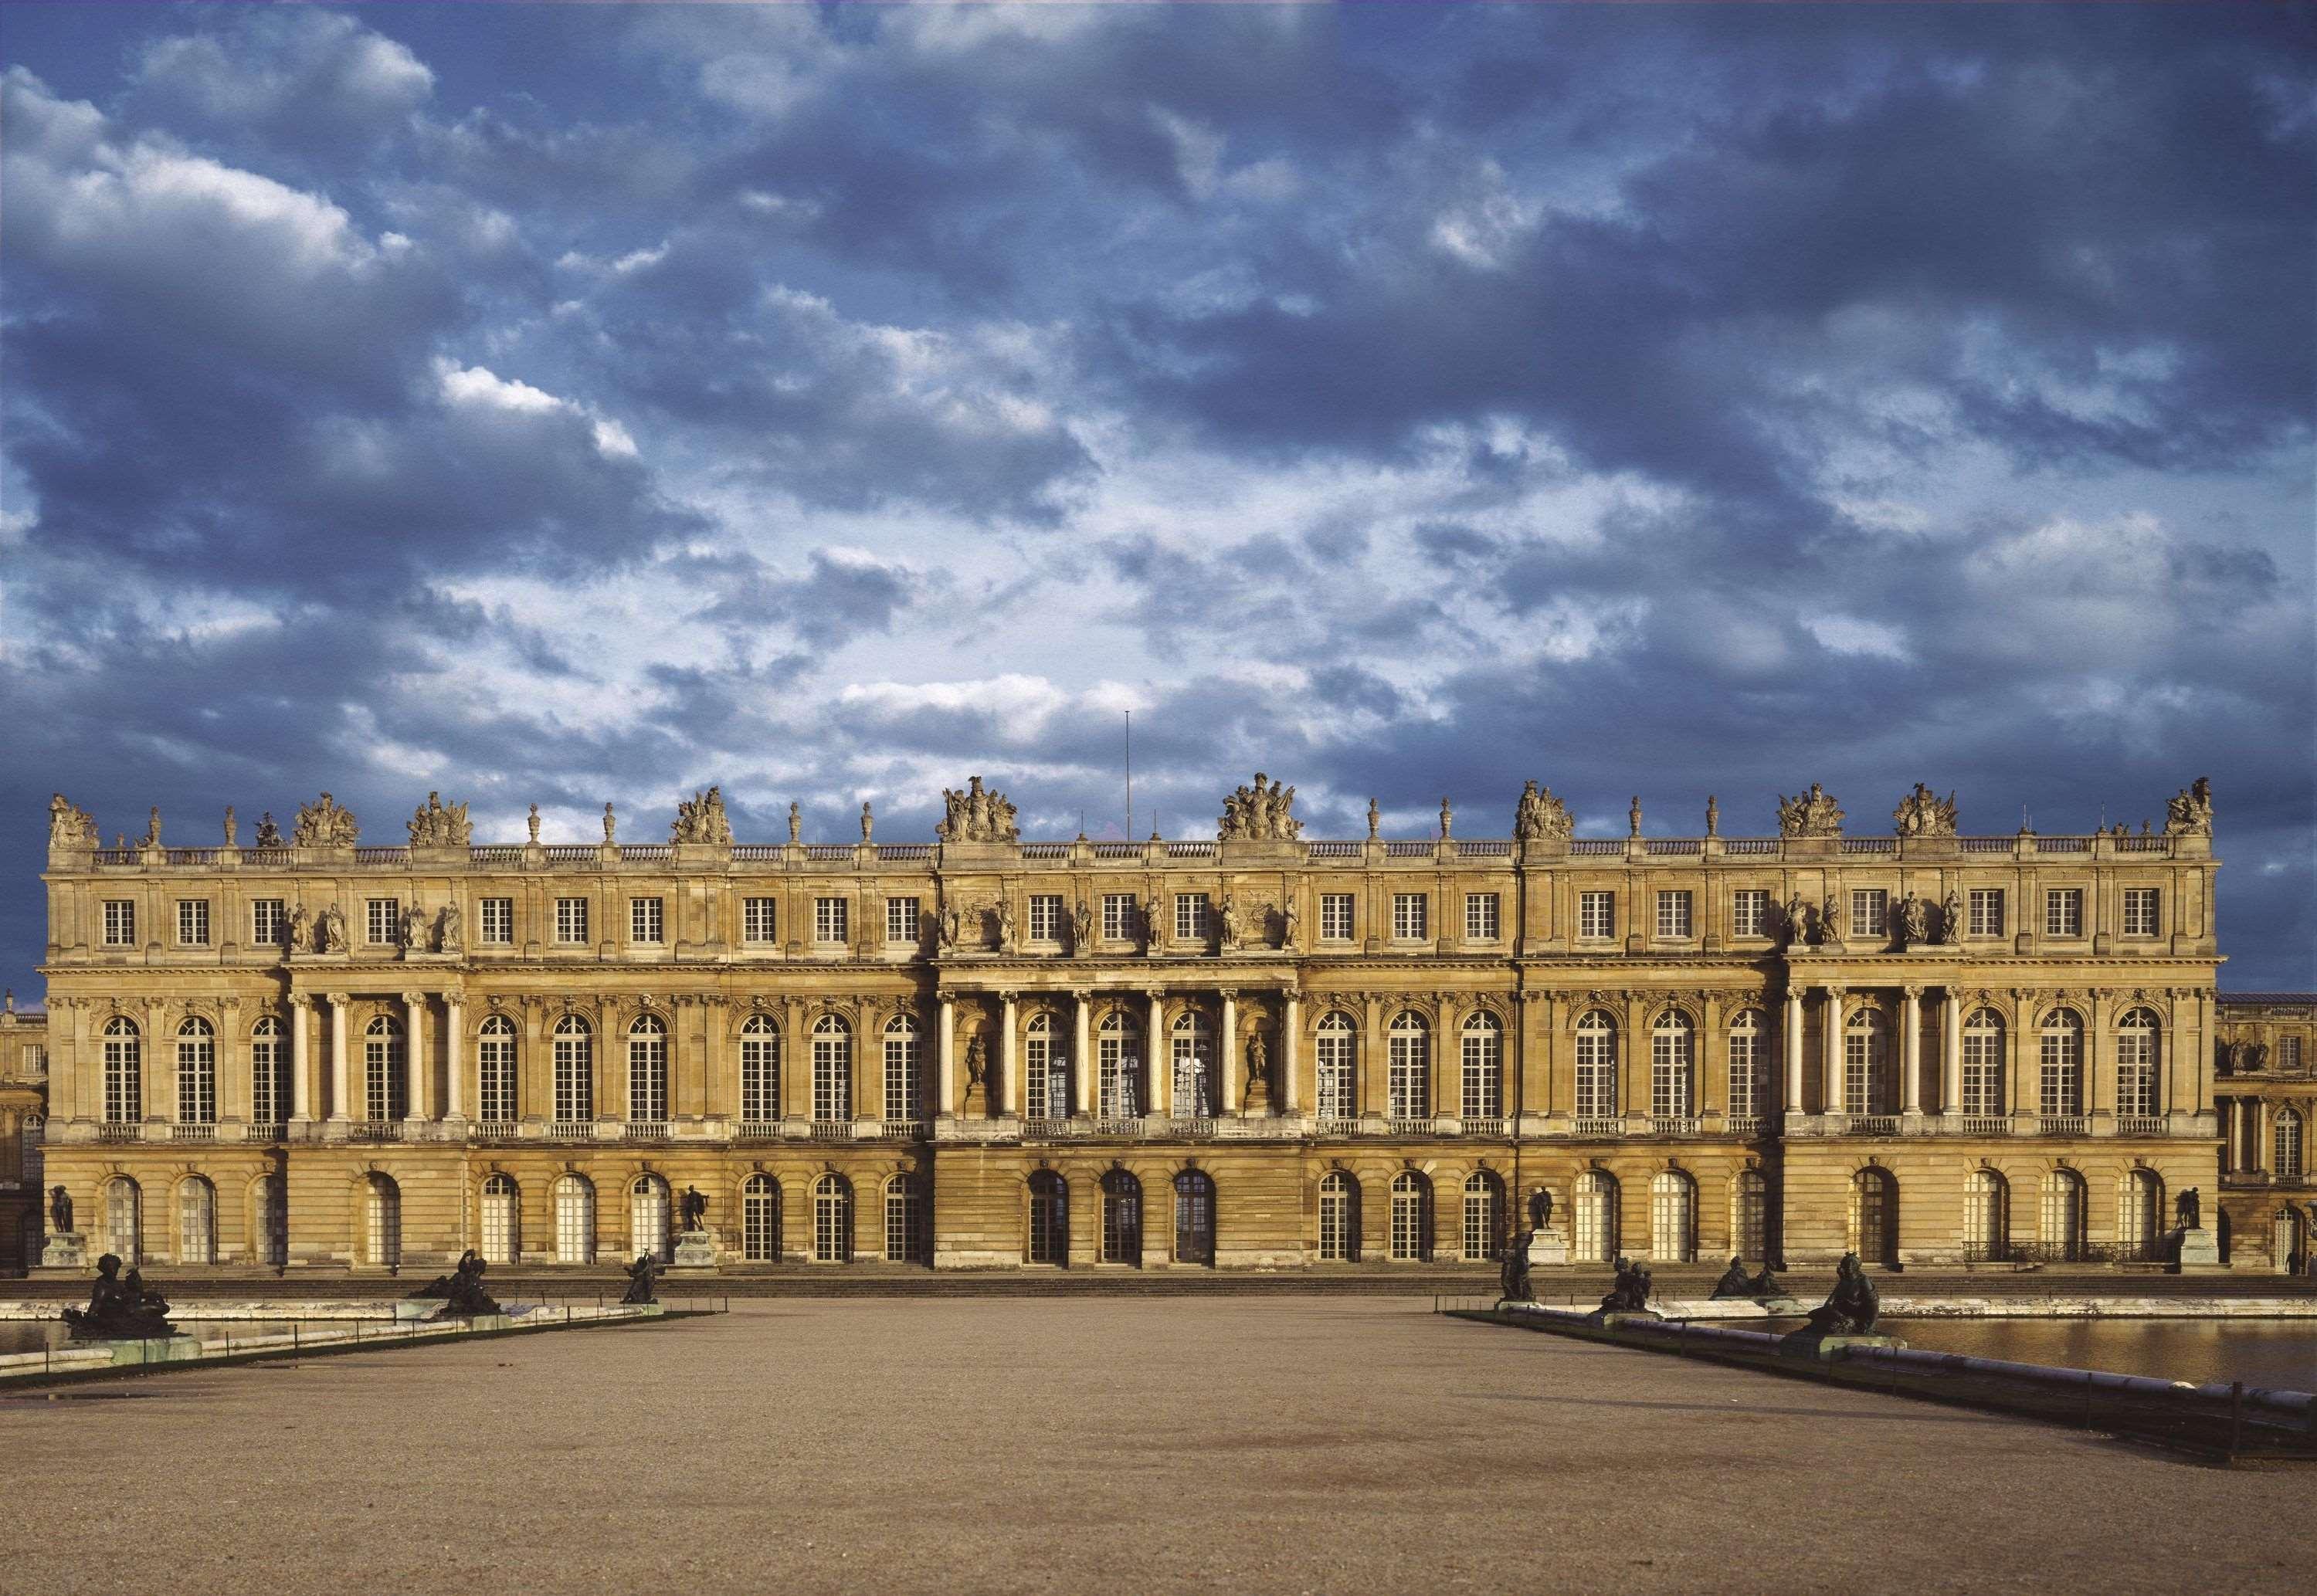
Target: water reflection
{"x": 2277, "y": 1353}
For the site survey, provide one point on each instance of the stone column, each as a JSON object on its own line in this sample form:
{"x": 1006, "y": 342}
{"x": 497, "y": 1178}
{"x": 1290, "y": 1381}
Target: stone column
{"x": 337, "y": 1001}
{"x": 1082, "y": 1066}
{"x": 454, "y": 1067}
{"x": 1951, "y": 1053}
{"x": 1792, "y": 1038}
{"x": 1831, "y": 1053}
{"x": 414, "y": 1010}
{"x": 1910, "y": 1049}
{"x": 1158, "y": 1060}
{"x": 1227, "y": 1051}
{"x": 2263, "y": 1152}
{"x": 1371, "y": 1081}
{"x": 945, "y": 1068}
{"x": 1291, "y": 1032}
{"x": 301, "y": 1086}
{"x": 1010, "y": 1075}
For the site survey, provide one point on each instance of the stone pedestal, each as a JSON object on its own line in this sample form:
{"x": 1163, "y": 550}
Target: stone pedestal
{"x": 2200, "y": 1252}
{"x": 1549, "y": 1245}
{"x": 694, "y": 1249}
{"x": 66, "y": 1249}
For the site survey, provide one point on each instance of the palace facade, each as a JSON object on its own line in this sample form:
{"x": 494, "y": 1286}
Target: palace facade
{"x": 1257, "y": 1051}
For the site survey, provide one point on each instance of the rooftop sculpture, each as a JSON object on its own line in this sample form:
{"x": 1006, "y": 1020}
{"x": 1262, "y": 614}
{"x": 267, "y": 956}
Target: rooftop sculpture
{"x": 2189, "y": 811}
{"x": 701, "y": 818}
{"x": 1813, "y": 814}
{"x": 70, "y": 827}
{"x": 1922, "y": 813}
{"x": 324, "y": 825}
{"x": 1260, "y": 813}
{"x": 1541, "y": 815}
{"x": 977, "y": 815}
{"x": 437, "y": 824}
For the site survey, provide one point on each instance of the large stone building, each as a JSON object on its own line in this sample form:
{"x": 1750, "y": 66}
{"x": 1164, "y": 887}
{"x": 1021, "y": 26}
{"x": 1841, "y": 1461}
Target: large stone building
{"x": 2265, "y": 1068}
{"x": 23, "y": 1097}
{"x": 1256, "y": 1051}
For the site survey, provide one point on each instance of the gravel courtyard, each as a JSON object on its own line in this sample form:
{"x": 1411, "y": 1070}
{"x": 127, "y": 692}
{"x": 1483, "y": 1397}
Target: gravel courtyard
{"x": 1060, "y": 1445}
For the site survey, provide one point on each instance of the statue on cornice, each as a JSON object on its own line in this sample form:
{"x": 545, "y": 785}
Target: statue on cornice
{"x": 323, "y": 824}
{"x": 1003, "y": 911}
{"x": 1229, "y": 918}
{"x": 1814, "y": 814}
{"x": 70, "y": 827}
{"x": 1290, "y": 923}
{"x": 1260, "y": 813}
{"x": 1375, "y": 818}
{"x": 1150, "y": 924}
{"x": 1914, "y": 921}
{"x": 1951, "y": 919}
{"x": 437, "y": 824}
{"x": 1922, "y": 813}
{"x": 450, "y": 930}
{"x": 2190, "y": 812}
{"x": 946, "y": 927}
{"x": 701, "y": 818}
{"x": 977, "y": 814}
{"x": 414, "y": 928}
{"x": 796, "y": 822}
{"x": 152, "y": 838}
{"x": 611, "y": 826}
{"x": 269, "y": 835}
{"x": 1447, "y": 820}
{"x": 1082, "y": 932}
{"x": 868, "y": 822}
{"x": 333, "y": 930}
{"x": 229, "y": 826}
{"x": 1541, "y": 815}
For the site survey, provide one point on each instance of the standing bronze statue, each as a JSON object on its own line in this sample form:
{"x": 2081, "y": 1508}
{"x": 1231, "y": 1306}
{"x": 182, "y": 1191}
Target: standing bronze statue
{"x": 693, "y": 1207}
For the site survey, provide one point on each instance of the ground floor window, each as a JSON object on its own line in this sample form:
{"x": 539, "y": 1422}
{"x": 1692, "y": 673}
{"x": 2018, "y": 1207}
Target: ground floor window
{"x": 196, "y": 1221}
{"x": 273, "y": 1213}
{"x": 1194, "y": 1218}
{"x": 1986, "y": 1216}
{"x": 2063, "y": 1216}
{"x": 1673, "y": 1218}
{"x": 1339, "y": 1219}
{"x": 1596, "y": 1217}
{"x": 124, "y": 1219}
{"x": 1049, "y": 1218}
{"x": 383, "y": 1230}
{"x": 1121, "y": 1218}
{"x": 648, "y": 1206}
{"x": 905, "y": 1221}
{"x": 1749, "y": 1215}
{"x": 760, "y": 1219}
{"x": 1484, "y": 1217}
{"x": 832, "y": 1220}
{"x": 502, "y": 1220}
{"x": 575, "y": 1220}
{"x": 1874, "y": 1204}
{"x": 1412, "y": 1217}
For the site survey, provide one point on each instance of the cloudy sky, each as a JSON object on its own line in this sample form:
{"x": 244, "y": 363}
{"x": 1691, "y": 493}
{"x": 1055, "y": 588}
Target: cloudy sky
{"x": 570, "y": 404}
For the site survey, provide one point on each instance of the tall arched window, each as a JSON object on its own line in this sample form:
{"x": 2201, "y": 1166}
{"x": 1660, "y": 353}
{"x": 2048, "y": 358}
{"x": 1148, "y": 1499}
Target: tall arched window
{"x": 2063, "y": 1216}
{"x": 1596, "y": 1067}
{"x": 832, "y": 1074}
{"x": 502, "y": 1219}
{"x": 1748, "y": 1059}
{"x": 904, "y": 1085}
{"x": 575, "y": 1220}
{"x": 1412, "y": 1217}
{"x": 1336, "y": 1063}
{"x": 832, "y": 1219}
{"x": 1673, "y": 1064}
{"x": 1122, "y": 1217}
{"x": 382, "y": 1228}
{"x": 2287, "y": 1143}
{"x": 904, "y": 1220}
{"x": 1049, "y": 1219}
{"x": 1986, "y": 1216}
{"x": 1484, "y": 1066}
{"x": 2060, "y": 1087}
{"x": 1673, "y": 1218}
{"x": 575, "y": 1070}
{"x": 1339, "y": 1218}
{"x": 1868, "y": 1085}
{"x": 2137, "y": 1037}
{"x": 760, "y": 1219}
{"x": 1409, "y": 1078}
{"x": 386, "y": 1081}
{"x": 1874, "y": 1214}
{"x": 1194, "y": 1218}
{"x": 1118, "y": 1047}
{"x": 648, "y": 1070}
{"x": 1596, "y": 1217}
{"x": 1193, "y": 1065}
{"x": 494, "y": 1084}
{"x": 2140, "y": 1212}
{"x": 124, "y": 1219}
{"x": 124, "y": 1086}
{"x": 1045, "y": 1073}
{"x": 196, "y": 1072}
{"x": 647, "y": 1207}
{"x": 196, "y": 1221}
{"x": 1749, "y": 1215}
{"x": 269, "y": 1073}
{"x": 760, "y": 1070}
{"x": 1983, "y": 1064}
{"x": 1484, "y": 1217}
{"x": 273, "y": 1220}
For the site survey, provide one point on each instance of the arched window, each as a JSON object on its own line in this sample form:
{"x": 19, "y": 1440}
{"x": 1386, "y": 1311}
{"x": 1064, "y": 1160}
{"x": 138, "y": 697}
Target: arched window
{"x": 1673, "y": 1061}
{"x": 1484, "y": 1217}
{"x": 495, "y": 1085}
{"x": 1339, "y": 1218}
{"x": 1875, "y": 1216}
{"x": 904, "y": 1220}
{"x": 575, "y": 1220}
{"x": 1748, "y": 1059}
{"x": 1118, "y": 1047}
{"x": 575, "y": 1070}
{"x": 760, "y": 1219}
{"x": 2140, "y": 1214}
{"x": 2286, "y": 1143}
{"x": 1986, "y": 1216}
{"x": 1122, "y": 1217}
{"x": 1049, "y": 1218}
{"x": 1749, "y": 1215}
{"x": 648, "y": 1070}
{"x": 832, "y": 1219}
{"x": 2059, "y": 1088}
{"x": 124, "y": 1088}
{"x": 760, "y": 1070}
{"x": 196, "y": 1072}
{"x": 1484, "y": 1066}
{"x": 1983, "y": 1064}
{"x": 196, "y": 1221}
{"x": 904, "y": 1088}
{"x": 124, "y": 1219}
{"x": 832, "y": 1077}
{"x": 382, "y": 1229}
{"x": 1194, "y": 1218}
{"x": 1868, "y": 1085}
{"x": 386, "y": 1083}
{"x": 273, "y": 1221}
{"x": 1673, "y": 1218}
{"x": 1336, "y": 1061}
{"x": 1193, "y": 1065}
{"x": 2137, "y": 1055}
{"x": 269, "y": 1073}
{"x": 502, "y": 1220}
{"x": 1596, "y": 1217}
{"x": 1409, "y": 1079}
{"x": 1596, "y": 1067}
{"x": 1045, "y": 1071}
{"x": 2063, "y": 1217}
{"x": 1412, "y": 1217}
{"x": 647, "y": 1207}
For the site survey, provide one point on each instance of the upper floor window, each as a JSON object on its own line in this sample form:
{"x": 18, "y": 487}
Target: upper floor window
{"x": 2137, "y": 1036}
{"x": 1411, "y": 917}
{"x": 124, "y": 1099}
{"x": 1987, "y": 911}
{"x": 1190, "y": 915}
{"x": 267, "y": 922}
{"x": 1870, "y": 912}
{"x": 2140, "y": 911}
{"x": 832, "y": 919}
{"x": 1481, "y": 916}
{"x": 1597, "y": 914}
{"x": 2063, "y": 911}
{"x": 193, "y": 922}
{"x": 1045, "y": 917}
{"x": 2288, "y": 1054}
{"x": 900, "y": 919}
{"x": 1597, "y": 1066}
{"x": 570, "y": 919}
{"x": 495, "y": 921}
{"x": 1117, "y": 915}
{"x": 119, "y": 922}
{"x": 1749, "y": 912}
{"x": 759, "y": 920}
{"x": 645, "y": 920}
{"x": 381, "y": 920}
{"x": 1335, "y": 916}
{"x": 1673, "y": 915}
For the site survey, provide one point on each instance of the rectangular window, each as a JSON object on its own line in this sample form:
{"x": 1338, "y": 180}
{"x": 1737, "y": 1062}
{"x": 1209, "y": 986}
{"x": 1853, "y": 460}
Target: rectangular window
{"x": 902, "y": 919}
{"x": 1336, "y": 916}
{"x": 380, "y": 920}
{"x": 570, "y": 919}
{"x": 1597, "y": 914}
{"x": 1673, "y": 915}
{"x": 2063, "y": 911}
{"x": 1749, "y": 912}
{"x": 831, "y": 919}
{"x": 1987, "y": 911}
{"x": 1190, "y": 917}
{"x": 267, "y": 923}
{"x": 1045, "y": 917}
{"x": 193, "y": 922}
{"x": 645, "y": 920}
{"x": 1870, "y": 912}
{"x": 497, "y": 921}
{"x": 2140, "y": 919}
{"x": 1480, "y": 920}
{"x": 2288, "y": 1055}
{"x": 119, "y": 922}
{"x": 759, "y": 921}
{"x": 1411, "y": 913}
{"x": 1117, "y": 917}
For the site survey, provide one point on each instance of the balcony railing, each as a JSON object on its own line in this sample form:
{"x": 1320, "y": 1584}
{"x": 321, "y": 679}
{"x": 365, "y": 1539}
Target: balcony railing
{"x": 1480, "y": 1127}
{"x": 1420, "y": 1125}
{"x": 193, "y": 1133}
{"x": 1053, "y": 1130}
{"x": 1742, "y": 1124}
{"x": 1597, "y": 1125}
{"x": 1332, "y": 849}
{"x": 647, "y": 850}
{"x": 2140, "y": 1125}
{"x": 1409, "y": 848}
{"x": 832, "y": 1130}
{"x": 904, "y": 1130}
{"x": 2062, "y": 1124}
{"x": 760, "y": 852}
{"x": 116, "y": 1131}
{"x": 1335, "y": 1127}
{"x": 1742, "y": 845}
{"x": 1118, "y": 849}
{"x": 383, "y": 856}
{"x": 1045, "y": 850}
{"x": 1986, "y": 1125}
{"x": 828, "y": 852}
{"x": 1193, "y": 1129}
{"x": 904, "y": 850}
{"x": 266, "y": 1130}
{"x": 493, "y": 853}
{"x": 374, "y": 1130}
{"x": 495, "y": 1130}
{"x": 757, "y": 1130}
{"x": 1596, "y": 845}
{"x": 644, "y": 1130}
{"x": 1190, "y": 850}
{"x": 571, "y": 1131}
{"x": 1672, "y": 1125}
